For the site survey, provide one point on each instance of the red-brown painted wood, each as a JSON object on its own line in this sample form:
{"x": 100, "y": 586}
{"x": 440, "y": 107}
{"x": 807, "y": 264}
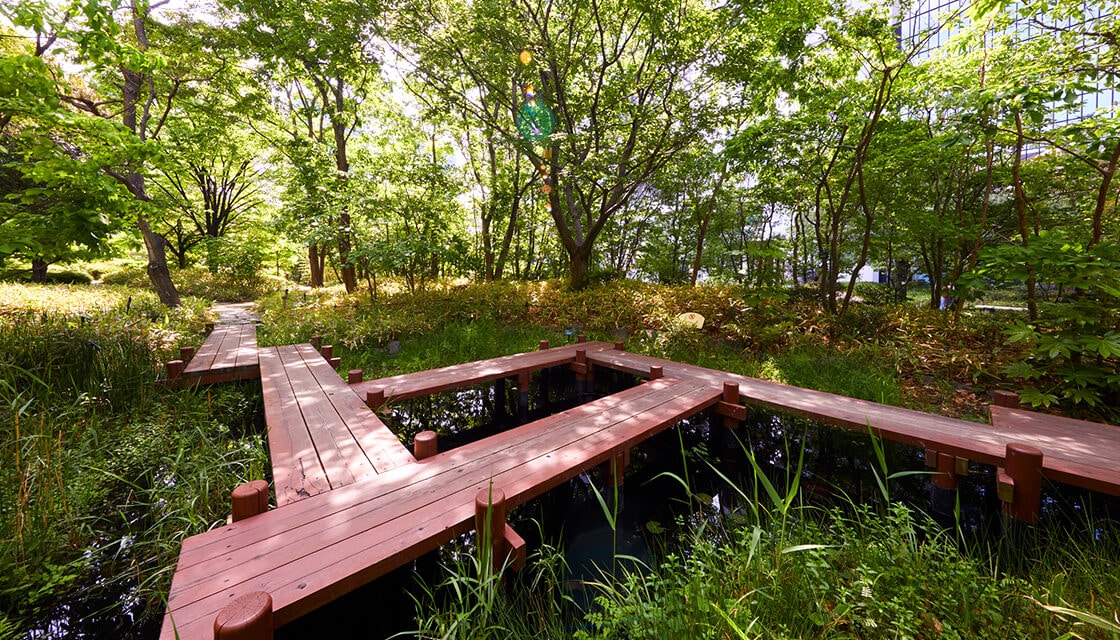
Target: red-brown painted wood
{"x": 317, "y": 549}
{"x": 411, "y": 385}
{"x": 249, "y": 617}
{"x": 249, "y": 499}
{"x": 321, "y": 434}
{"x": 425, "y": 445}
{"x": 490, "y": 526}
{"x": 1024, "y": 465}
{"x": 228, "y": 353}
{"x": 1078, "y": 456}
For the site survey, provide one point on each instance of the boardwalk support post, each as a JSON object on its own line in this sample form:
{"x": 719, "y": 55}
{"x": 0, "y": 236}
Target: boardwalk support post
{"x": 249, "y": 617}
{"x": 619, "y": 345}
{"x": 656, "y": 372}
{"x": 523, "y": 397}
{"x": 943, "y": 482}
{"x": 1020, "y": 482}
{"x": 209, "y": 328}
{"x": 316, "y": 341}
{"x": 500, "y": 408}
{"x": 733, "y": 415}
{"x": 425, "y": 445}
{"x": 543, "y": 345}
{"x": 249, "y": 500}
{"x": 186, "y": 353}
{"x": 175, "y": 369}
{"x": 581, "y": 367}
{"x": 375, "y": 399}
{"x": 353, "y": 376}
{"x": 613, "y": 472}
{"x": 327, "y": 351}
{"x": 1008, "y": 399}
{"x": 490, "y": 524}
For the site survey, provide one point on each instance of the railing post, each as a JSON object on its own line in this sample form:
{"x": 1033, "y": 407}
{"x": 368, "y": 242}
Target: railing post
{"x": 316, "y": 341}
{"x": 327, "y": 351}
{"x": 1008, "y": 399}
{"x": 490, "y": 524}
{"x": 175, "y": 369}
{"x": 249, "y": 499}
{"x": 353, "y": 376}
{"x": 375, "y": 399}
{"x": 656, "y": 372}
{"x": 425, "y": 445}
{"x": 249, "y": 617}
{"x": 619, "y": 345}
{"x": 543, "y": 345}
{"x": 186, "y": 353}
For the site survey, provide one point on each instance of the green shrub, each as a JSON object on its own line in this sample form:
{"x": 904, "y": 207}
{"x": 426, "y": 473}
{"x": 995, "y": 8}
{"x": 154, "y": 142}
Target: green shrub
{"x": 874, "y": 293}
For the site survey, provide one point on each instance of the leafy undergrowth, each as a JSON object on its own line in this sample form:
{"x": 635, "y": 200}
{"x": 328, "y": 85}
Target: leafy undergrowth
{"x": 897, "y": 354}
{"x": 103, "y": 472}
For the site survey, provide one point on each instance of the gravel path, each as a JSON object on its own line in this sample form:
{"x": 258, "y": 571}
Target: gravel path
{"x": 236, "y": 312}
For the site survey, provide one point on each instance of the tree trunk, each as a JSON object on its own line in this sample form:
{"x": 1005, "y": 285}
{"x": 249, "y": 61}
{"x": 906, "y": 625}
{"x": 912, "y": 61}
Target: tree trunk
{"x": 316, "y": 265}
{"x": 38, "y": 271}
{"x": 580, "y": 266}
{"x": 158, "y": 272}
{"x": 1021, "y": 211}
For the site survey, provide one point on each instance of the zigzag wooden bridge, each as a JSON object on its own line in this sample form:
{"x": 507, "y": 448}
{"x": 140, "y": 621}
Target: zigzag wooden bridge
{"x": 354, "y": 504}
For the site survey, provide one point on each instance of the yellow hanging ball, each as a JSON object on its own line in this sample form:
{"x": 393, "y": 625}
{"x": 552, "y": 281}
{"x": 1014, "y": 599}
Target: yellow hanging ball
{"x": 525, "y": 56}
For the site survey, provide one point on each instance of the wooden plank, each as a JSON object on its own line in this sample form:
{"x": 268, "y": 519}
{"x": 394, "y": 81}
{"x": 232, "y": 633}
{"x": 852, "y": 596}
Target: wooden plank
{"x": 1063, "y": 460}
{"x": 247, "y": 346}
{"x": 528, "y": 462}
{"x": 204, "y": 358}
{"x": 343, "y": 461}
{"x": 411, "y": 385}
{"x": 1092, "y": 438}
{"x": 228, "y": 353}
{"x": 296, "y": 470}
{"x": 379, "y": 444}
{"x": 494, "y": 450}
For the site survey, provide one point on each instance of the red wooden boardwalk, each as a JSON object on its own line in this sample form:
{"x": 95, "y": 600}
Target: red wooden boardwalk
{"x": 321, "y": 435}
{"x": 228, "y": 353}
{"x": 411, "y": 385}
{"x": 317, "y": 549}
{"x": 355, "y": 504}
{"x": 1074, "y": 452}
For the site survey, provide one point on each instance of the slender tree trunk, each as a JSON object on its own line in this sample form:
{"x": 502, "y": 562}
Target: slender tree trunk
{"x": 316, "y": 265}
{"x": 1108, "y": 172}
{"x": 1021, "y": 211}
{"x": 38, "y": 271}
{"x": 158, "y": 272}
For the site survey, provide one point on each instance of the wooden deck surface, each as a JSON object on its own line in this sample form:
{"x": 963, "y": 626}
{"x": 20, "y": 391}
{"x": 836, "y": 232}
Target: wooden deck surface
{"x": 1073, "y": 453}
{"x": 321, "y": 435}
{"x": 228, "y": 353}
{"x": 321, "y": 547}
{"x": 411, "y": 385}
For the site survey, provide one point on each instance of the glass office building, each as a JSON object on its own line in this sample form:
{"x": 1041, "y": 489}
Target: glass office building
{"x": 938, "y": 20}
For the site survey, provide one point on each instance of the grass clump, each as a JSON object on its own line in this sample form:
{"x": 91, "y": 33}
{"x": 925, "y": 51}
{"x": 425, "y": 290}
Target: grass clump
{"x": 103, "y": 472}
